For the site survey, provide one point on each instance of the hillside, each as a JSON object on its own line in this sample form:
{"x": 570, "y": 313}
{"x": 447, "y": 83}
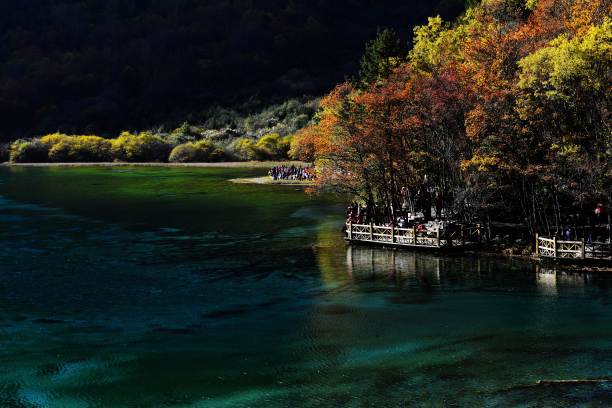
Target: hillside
{"x": 101, "y": 66}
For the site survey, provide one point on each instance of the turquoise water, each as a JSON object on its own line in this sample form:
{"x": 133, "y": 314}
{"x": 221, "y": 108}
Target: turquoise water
{"x": 161, "y": 287}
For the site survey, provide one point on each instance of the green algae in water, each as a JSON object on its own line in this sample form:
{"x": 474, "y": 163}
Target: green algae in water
{"x": 171, "y": 287}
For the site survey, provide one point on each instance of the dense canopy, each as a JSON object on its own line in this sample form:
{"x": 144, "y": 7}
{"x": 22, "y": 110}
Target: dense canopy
{"x": 102, "y": 66}
{"x": 506, "y": 113}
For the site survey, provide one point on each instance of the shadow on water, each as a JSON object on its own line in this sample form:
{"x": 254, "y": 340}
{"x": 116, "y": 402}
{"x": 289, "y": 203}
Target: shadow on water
{"x": 173, "y": 288}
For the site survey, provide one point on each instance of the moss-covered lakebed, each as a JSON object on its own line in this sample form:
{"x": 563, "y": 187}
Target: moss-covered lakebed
{"x": 172, "y": 287}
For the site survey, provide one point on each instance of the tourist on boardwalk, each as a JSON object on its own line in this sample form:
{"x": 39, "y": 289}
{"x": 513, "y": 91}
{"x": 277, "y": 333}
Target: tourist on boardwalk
{"x": 600, "y": 214}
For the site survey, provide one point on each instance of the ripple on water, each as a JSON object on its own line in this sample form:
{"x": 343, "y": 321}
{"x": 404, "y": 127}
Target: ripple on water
{"x": 115, "y": 310}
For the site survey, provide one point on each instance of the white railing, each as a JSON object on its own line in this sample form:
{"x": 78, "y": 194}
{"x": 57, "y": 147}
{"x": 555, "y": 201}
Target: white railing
{"x": 409, "y": 236}
{"x": 558, "y": 249}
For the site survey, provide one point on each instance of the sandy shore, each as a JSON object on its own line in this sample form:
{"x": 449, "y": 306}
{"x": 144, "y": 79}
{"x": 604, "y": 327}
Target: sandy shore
{"x": 270, "y": 181}
{"x": 250, "y": 164}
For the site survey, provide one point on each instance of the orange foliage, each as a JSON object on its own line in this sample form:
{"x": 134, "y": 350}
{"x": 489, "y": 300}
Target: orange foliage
{"x": 461, "y": 125}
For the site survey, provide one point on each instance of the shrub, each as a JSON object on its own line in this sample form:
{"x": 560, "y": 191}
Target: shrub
{"x": 52, "y": 139}
{"x": 28, "y": 151}
{"x": 181, "y": 135}
{"x": 284, "y": 146}
{"x": 244, "y": 149}
{"x": 273, "y": 146}
{"x": 202, "y": 151}
{"x": 144, "y": 147}
{"x": 81, "y": 149}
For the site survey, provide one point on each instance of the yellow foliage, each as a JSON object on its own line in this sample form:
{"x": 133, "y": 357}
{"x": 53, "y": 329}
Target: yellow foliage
{"x": 481, "y": 163}
{"x": 53, "y": 138}
{"x": 64, "y": 148}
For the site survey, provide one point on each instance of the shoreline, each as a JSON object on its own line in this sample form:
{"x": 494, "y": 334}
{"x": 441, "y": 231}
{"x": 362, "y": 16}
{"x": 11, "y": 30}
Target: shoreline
{"x": 267, "y": 180}
{"x": 249, "y": 164}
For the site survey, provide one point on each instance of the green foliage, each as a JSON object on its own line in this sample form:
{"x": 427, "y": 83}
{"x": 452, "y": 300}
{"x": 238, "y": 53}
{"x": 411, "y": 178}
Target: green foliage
{"x": 143, "y": 147}
{"x": 244, "y": 149}
{"x": 28, "y": 151}
{"x": 198, "y": 152}
{"x": 285, "y": 118}
{"x": 438, "y": 42}
{"x": 381, "y": 55}
{"x": 470, "y": 4}
{"x": 80, "y": 149}
{"x": 273, "y": 146}
{"x": 181, "y": 135}
{"x": 219, "y": 117}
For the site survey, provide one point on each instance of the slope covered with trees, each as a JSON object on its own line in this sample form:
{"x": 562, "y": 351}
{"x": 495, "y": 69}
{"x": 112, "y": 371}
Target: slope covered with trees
{"x": 102, "y": 66}
{"x": 505, "y": 112}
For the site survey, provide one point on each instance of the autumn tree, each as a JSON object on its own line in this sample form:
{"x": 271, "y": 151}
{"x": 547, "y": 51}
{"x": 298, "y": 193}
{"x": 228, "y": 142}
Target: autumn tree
{"x": 506, "y": 111}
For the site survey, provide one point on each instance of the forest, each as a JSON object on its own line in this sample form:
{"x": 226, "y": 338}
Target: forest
{"x": 505, "y": 113}
{"x": 104, "y": 66}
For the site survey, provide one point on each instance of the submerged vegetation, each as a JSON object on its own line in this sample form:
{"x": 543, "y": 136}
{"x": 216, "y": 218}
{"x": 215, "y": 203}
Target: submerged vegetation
{"x": 505, "y": 112}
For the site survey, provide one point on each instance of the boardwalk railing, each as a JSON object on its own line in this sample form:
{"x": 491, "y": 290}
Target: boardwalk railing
{"x": 457, "y": 236}
{"x": 557, "y": 249}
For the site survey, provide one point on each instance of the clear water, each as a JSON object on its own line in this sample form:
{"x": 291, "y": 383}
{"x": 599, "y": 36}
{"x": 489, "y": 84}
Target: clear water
{"x": 161, "y": 287}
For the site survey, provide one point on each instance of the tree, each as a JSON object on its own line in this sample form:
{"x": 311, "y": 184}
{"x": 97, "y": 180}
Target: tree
{"x": 506, "y": 112}
{"x": 381, "y": 55}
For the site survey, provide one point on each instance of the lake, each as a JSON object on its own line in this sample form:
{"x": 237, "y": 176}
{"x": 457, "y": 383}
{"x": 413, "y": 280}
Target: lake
{"x": 172, "y": 287}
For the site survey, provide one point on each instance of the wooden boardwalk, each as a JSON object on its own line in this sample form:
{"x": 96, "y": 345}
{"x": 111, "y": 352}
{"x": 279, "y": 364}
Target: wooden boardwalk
{"x": 553, "y": 248}
{"x": 457, "y": 237}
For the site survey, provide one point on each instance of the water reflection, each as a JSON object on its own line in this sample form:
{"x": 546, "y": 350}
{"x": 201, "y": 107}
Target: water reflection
{"x": 190, "y": 311}
{"x": 364, "y": 262}
{"x": 430, "y": 329}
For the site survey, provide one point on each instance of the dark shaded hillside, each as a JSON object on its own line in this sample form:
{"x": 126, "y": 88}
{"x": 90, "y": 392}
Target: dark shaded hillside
{"x": 105, "y": 65}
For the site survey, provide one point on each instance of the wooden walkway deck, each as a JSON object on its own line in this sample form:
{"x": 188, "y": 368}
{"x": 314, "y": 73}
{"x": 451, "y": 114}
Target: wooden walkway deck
{"x": 457, "y": 237}
{"x": 553, "y": 248}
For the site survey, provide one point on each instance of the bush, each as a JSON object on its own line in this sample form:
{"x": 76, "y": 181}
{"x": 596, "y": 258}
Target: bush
{"x": 28, "y": 151}
{"x": 273, "y": 146}
{"x": 80, "y": 149}
{"x": 202, "y": 151}
{"x": 181, "y": 135}
{"x": 244, "y": 149}
{"x": 50, "y": 140}
{"x": 144, "y": 147}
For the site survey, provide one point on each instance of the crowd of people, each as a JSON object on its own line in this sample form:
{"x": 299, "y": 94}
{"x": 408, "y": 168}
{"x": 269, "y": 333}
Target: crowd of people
{"x": 292, "y": 173}
{"x": 416, "y": 211}
{"x": 422, "y": 199}
{"x": 423, "y": 202}
{"x": 360, "y": 214}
